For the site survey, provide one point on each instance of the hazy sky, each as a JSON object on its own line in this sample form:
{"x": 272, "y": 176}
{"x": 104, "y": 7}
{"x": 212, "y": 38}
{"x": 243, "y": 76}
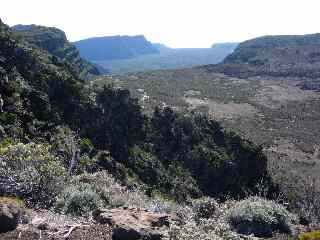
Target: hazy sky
{"x": 176, "y": 23}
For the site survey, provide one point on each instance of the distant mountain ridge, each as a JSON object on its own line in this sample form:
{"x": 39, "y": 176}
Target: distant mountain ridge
{"x": 227, "y": 47}
{"x": 162, "y": 47}
{"x": 115, "y": 47}
{"x": 168, "y": 58}
{"x": 278, "y": 56}
{"x": 56, "y": 43}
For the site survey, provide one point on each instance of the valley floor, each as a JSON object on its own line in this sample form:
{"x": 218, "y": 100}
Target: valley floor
{"x": 273, "y": 112}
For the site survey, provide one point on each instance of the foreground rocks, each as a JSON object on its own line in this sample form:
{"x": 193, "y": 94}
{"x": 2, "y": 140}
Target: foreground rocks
{"x": 9, "y": 217}
{"x": 134, "y": 224}
{"x": 107, "y": 224}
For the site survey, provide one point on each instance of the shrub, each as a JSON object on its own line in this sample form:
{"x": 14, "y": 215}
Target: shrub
{"x": 219, "y": 163}
{"x": 66, "y": 145}
{"x": 207, "y": 229}
{"x": 173, "y": 180}
{"x": 86, "y": 145}
{"x": 78, "y": 200}
{"x": 260, "y": 217}
{"x": 315, "y": 235}
{"x": 103, "y": 191}
{"x": 205, "y": 208}
{"x": 31, "y": 172}
{"x": 112, "y": 193}
{"x": 6, "y": 142}
{"x": 105, "y": 161}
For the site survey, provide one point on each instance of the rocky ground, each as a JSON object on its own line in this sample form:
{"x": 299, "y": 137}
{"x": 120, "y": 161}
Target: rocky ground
{"x": 120, "y": 223}
{"x": 205, "y": 221}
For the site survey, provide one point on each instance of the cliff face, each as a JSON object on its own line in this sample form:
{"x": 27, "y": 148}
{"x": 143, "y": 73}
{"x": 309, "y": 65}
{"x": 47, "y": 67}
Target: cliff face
{"x": 55, "y": 42}
{"x": 280, "y": 56}
{"x": 116, "y": 47}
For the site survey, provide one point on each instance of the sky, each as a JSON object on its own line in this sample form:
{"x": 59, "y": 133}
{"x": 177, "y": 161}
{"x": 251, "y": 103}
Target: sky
{"x": 176, "y": 23}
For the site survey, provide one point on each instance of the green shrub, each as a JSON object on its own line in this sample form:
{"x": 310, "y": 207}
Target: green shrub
{"x": 30, "y": 171}
{"x": 103, "y": 191}
{"x": 111, "y": 193}
{"x": 6, "y": 142}
{"x": 8, "y": 118}
{"x": 173, "y": 180}
{"x": 315, "y": 235}
{"x": 65, "y": 143}
{"x": 260, "y": 217}
{"x": 75, "y": 152}
{"x": 78, "y": 200}
{"x": 86, "y": 145}
{"x": 86, "y": 164}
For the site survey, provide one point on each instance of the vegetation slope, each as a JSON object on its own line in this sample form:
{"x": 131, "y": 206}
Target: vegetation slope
{"x": 55, "y": 42}
{"x": 70, "y": 148}
{"x": 274, "y": 103}
{"x": 277, "y": 56}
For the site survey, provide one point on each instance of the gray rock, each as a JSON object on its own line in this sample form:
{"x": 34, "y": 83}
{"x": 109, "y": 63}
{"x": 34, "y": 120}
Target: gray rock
{"x": 9, "y": 217}
{"x": 134, "y": 224}
{"x": 125, "y": 233}
{"x": 40, "y": 223}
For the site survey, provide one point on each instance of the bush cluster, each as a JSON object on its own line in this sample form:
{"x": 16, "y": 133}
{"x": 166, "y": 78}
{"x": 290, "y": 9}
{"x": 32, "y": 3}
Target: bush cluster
{"x": 260, "y": 217}
{"x": 205, "y": 208}
{"x": 78, "y": 200}
{"x": 30, "y": 171}
{"x": 87, "y": 192}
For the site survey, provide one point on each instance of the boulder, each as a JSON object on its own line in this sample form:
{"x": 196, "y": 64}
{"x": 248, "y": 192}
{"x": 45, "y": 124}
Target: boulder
{"x": 9, "y": 217}
{"x": 134, "y": 224}
{"x": 40, "y": 223}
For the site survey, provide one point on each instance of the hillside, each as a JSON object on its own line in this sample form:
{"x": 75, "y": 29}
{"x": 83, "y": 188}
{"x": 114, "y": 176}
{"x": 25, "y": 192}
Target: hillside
{"x": 170, "y": 58}
{"x": 278, "y": 108}
{"x": 277, "y": 56}
{"x": 115, "y": 47}
{"x": 55, "y": 42}
{"x": 42, "y": 91}
{"x": 80, "y": 161}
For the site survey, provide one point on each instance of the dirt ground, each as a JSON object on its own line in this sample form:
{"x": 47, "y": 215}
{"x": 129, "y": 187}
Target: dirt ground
{"x": 94, "y": 232}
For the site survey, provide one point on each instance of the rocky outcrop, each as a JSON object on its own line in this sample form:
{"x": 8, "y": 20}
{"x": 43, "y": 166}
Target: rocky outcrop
{"x": 277, "y": 56}
{"x": 134, "y": 224}
{"x": 34, "y": 84}
{"x": 56, "y": 43}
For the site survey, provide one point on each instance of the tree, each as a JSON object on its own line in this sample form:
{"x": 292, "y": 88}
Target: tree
{"x": 122, "y": 122}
